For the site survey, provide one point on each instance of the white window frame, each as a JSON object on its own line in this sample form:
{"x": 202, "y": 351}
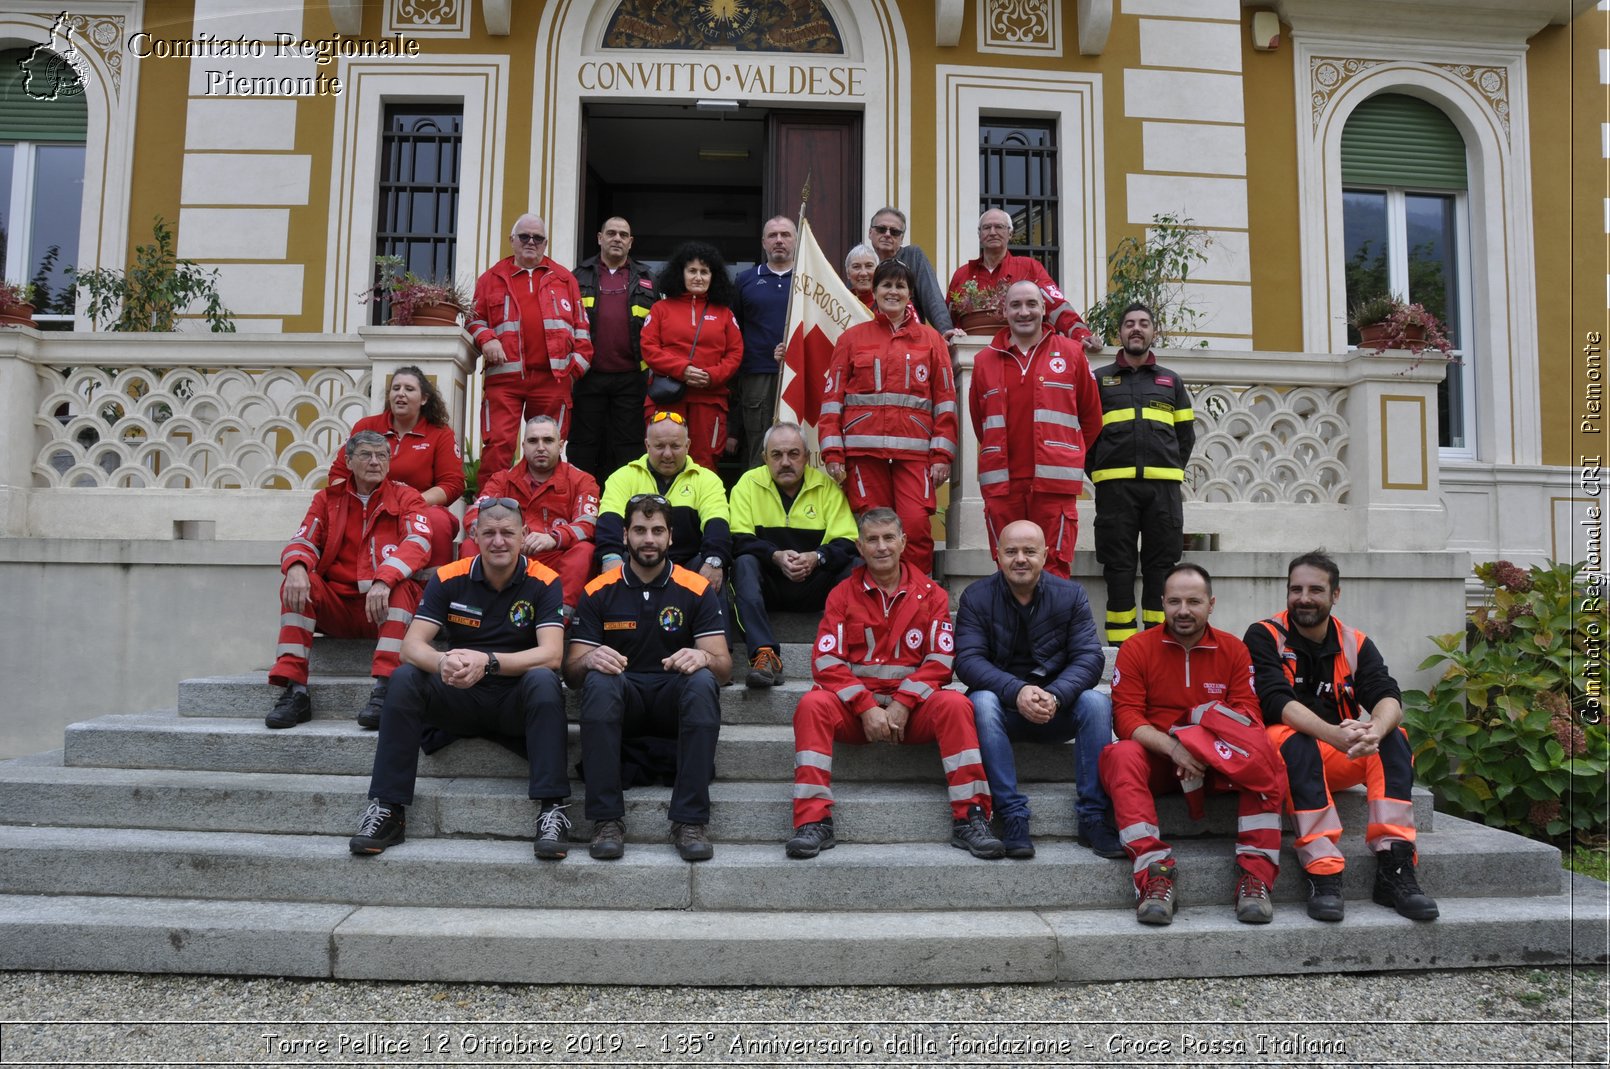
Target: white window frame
{"x": 20, "y": 240}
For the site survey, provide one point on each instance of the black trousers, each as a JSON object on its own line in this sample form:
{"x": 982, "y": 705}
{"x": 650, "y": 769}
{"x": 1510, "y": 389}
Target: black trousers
{"x": 606, "y": 423}
{"x": 528, "y": 706}
{"x": 759, "y": 586}
{"x": 1151, "y": 510}
{"x": 671, "y": 705}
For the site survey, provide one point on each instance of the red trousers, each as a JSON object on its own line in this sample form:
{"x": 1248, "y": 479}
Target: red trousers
{"x": 339, "y": 613}
{"x": 508, "y": 402}
{"x": 443, "y": 529}
{"x": 903, "y": 485}
{"x": 572, "y": 564}
{"x": 1315, "y": 769}
{"x": 1057, "y": 515}
{"x": 821, "y": 719}
{"x": 1133, "y": 777}
{"x": 707, "y": 426}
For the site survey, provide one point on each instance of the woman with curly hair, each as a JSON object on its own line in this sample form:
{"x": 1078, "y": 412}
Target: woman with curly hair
{"x": 424, "y": 453}
{"x": 693, "y": 337}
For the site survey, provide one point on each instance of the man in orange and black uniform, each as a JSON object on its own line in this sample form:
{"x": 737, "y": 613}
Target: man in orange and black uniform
{"x": 1137, "y": 464}
{"x": 1334, "y": 711}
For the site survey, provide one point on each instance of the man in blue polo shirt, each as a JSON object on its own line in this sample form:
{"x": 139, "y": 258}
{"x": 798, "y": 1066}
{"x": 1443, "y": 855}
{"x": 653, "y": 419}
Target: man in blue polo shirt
{"x": 648, "y": 651}
{"x": 500, "y": 613}
{"x": 762, "y": 311}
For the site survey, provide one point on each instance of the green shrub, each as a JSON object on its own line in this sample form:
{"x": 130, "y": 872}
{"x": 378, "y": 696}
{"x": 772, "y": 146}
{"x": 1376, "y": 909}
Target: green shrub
{"x": 1510, "y": 735}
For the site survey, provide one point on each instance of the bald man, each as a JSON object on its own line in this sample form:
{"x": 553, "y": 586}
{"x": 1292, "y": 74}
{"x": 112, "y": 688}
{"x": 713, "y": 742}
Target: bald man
{"x": 531, "y": 328}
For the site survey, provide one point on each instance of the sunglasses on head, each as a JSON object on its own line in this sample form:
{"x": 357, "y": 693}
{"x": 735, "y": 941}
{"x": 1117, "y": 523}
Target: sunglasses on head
{"x": 674, "y": 417}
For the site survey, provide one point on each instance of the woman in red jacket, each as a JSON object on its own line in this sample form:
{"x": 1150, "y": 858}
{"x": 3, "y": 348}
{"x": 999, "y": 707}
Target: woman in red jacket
{"x": 693, "y": 337}
{"x": 424, "y": 453}
{"x": 888, "y": 427}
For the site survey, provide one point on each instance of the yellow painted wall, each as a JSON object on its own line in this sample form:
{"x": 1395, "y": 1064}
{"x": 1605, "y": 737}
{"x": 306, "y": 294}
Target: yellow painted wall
{"x": 1550, "y": 77}
{"x": 158, "y": 159}
{"x": 1274, "y": 245}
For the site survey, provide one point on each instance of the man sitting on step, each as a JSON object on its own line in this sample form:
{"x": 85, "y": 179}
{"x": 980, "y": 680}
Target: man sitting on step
{"x": 1334, "y": 712}
{"x": 883, "y": 656}
{"x": 500, "y": 614}
{"x": 349, "y": 572}
{"x": 1026, "y": 647}
{"x": 793, "y": 541}
{"x": 1166, "y": 678}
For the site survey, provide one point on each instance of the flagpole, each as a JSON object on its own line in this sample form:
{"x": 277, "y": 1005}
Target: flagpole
{"x": 799, "y": 228}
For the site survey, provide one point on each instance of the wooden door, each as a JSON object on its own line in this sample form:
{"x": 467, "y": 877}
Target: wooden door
{"x": 826, "y": 146}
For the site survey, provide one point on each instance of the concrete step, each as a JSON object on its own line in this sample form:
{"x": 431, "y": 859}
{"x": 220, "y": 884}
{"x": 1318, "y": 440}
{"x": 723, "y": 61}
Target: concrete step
{"x": 300, "y": 803}
{"x": 132, "y": 934}
{"x": 1466, "y": 860}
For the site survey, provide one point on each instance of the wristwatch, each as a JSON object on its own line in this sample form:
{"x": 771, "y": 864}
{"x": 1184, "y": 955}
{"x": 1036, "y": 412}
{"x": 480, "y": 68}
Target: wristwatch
{"x": 713, "y": 561}
{"x": 821, "y": 559}
{"x": 492, "y": 665}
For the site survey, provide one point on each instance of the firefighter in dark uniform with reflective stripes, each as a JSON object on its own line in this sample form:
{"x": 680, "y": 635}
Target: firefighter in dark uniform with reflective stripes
{"x": 1138, "y": 465}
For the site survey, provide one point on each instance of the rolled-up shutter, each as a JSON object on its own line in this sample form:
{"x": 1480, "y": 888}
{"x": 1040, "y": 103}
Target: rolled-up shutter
{"x": 1397, "y": 140}
{"x": 25, "y": 118}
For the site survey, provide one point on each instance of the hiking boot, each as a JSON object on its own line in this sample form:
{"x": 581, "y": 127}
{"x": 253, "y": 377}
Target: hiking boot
{"x": 971, "y": 833}
{"x": 1325, "y": 896}
{"x": 1396, "y": 886}
{"x": 691, "y": 842}
{"x": 293, "y": 707}
{"x": 369, "y": 715}
{"x": 609, "y": 840}
{"x": 1156, "y": 895}
{"x": 1252, "y": 902}
{"x": 811, "y": 839}
{"x": 553, "y": 832}
{"x": 1015, "y": 837}
{"x": 1100, "y": 839}
{"x": 380, "y": 826}
{"x": 765, "y": 669}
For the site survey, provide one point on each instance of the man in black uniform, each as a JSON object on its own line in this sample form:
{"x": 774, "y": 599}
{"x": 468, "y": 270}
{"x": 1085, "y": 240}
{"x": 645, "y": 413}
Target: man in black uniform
{"x": 501, "y": 614}
{"x": 1138, "y": 465}
{"x": 617, "y": 292}
{"x": 648, "y": 651}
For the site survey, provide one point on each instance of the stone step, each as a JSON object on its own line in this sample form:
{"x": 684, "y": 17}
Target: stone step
{"x": 1468, "y": 860}
{"x": 297, "y": 803}
{"x": 542, "y": 945}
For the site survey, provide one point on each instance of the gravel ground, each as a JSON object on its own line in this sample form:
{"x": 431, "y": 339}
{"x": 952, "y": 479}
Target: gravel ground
{"x": 1486, "y": 1017}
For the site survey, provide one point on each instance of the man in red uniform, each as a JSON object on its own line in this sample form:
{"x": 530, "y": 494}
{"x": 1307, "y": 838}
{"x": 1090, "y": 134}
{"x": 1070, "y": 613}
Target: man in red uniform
{"x": 996, "y": 266}
{"x": 531, "y": 328}
{"x": 883, "y": 656}
{"x": 558, "y": 502}
{"x": 1031, "y": 466}
{"x": 349, "y": 572}
{"x": 1163, "y": 674}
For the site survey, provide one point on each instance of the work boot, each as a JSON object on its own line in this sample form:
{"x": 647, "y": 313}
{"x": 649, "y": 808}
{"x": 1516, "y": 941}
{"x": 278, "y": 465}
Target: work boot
{"x": 1396, "y": 886}
{"x": 609, "y": 840}
{"x": 293, "y": 707}
{"x": 1015, "y": 837}
{"x": 692, "y": 844}
{"x": 1156, "y": 895}
{"x": 1252, "y": 902}
{"x": 765, "y": 669}
{"x": 553, "y": 832}
{"x": 971, "y": 833}
{"x": 1100, "y": 839}
{"x": 1325, "y": 896}
{"x": 381, "y": 825}
{"x": 811, "y": 839}
{"x": 369, "y": 715}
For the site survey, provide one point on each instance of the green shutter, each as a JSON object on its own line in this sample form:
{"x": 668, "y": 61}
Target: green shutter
{"x": 22, "y": 118}
{"x": 1397, "y": 140}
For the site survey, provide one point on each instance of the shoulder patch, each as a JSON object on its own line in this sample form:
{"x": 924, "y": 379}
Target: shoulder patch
{"x": 691, "y": 580}
{"x": 611, "y": 576}
{"x": 454, "y": 569}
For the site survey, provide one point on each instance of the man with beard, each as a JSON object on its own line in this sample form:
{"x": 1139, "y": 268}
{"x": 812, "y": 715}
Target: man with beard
{"x": 1167, "y": 680}
{"x": 648, "y": 651}
{"x": 1138, "y": 465}
{"x": 1335, "y": 714}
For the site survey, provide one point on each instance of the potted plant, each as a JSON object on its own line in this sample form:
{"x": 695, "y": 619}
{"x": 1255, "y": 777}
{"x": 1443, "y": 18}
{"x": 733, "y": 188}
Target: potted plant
{"x": 977, "y": 309}
{"x": 1153, "y": 272}
{"x": 17, "y": 304}
{"x": 416, "y": 301}
{"x": 1384, "y": 321}
{"x": 155, "y": 291}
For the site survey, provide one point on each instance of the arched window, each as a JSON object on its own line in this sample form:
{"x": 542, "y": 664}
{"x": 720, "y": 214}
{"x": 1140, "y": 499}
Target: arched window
{"x": 1406, "y": 229}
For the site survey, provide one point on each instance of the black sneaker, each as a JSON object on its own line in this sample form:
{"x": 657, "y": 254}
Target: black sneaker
{"x": 691, "y": 842}
{"x": 1015, "y": 837}
{"x": 369, "y": 715}
{"x": 765, "y": 669}
{"x": 292, "y": 708}
{"x": 1100, "y": 839}
{"x": 382, "y": 825}
{"x": 1325, "y": 901}
{"x": 811, "y": 839}
{"x": 609, "y": 840}
{"x": 971, "y": 833}
{"x": 553, "y": 832}
{"x": 1395, "y": 885}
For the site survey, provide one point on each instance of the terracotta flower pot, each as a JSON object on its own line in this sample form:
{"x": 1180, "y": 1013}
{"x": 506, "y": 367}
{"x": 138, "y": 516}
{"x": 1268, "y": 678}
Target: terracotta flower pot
{"x": 17, "y": 315}
{"x": 1376, "y": 336}
{"x": 431, "y": 315}
{"x": 982, "y": 322}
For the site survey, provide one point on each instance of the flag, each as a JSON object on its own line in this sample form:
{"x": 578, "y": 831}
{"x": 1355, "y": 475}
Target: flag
{"x": 820, "y": 308}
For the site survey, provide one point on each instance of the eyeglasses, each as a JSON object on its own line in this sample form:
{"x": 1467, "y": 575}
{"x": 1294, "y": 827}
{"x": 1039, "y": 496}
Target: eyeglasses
{"x": 674, "y": 417}
{"x": 531, "y": 239}
{"x": 994, "y": 226}
{"x": 497, "y": 502}
{"x": 892, "y": 231}
{"x": 364, "y": 456}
